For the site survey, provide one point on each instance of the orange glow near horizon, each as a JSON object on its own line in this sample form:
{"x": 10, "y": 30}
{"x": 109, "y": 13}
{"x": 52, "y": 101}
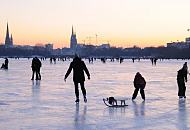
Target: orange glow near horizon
{"x": 122, "y": 23}
{"x": 60, "y": 42}
{"x": 61, "y": 37}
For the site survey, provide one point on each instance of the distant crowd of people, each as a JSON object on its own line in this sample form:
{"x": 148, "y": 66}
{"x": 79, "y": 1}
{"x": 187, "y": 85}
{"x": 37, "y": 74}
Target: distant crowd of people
{"x": 78, "y": 66}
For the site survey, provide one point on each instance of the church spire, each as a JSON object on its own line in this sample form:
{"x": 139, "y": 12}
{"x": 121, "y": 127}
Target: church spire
{"x": 72, "y": 30}
{"x": 11, "y": 39}
{"x": 73, "y": 40}
{"x": 7, "y": 38}
{"x": 7, "y": 33}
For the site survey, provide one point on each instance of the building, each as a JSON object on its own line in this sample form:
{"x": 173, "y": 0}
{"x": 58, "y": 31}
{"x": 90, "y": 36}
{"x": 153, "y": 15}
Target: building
{"x": 8, "y": 39}
{"x": 103, "y": 46}
{"x": 180, "y": 45}
{"x": 73, "y": 40}
{"x": 49, "y": 47}
{"x": 133, "y": 49}
{"x": 24, "y": 47}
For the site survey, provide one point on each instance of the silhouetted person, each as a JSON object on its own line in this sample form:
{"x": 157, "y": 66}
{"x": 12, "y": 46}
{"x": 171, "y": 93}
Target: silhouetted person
{"x": 181, "y": 79}
{"x": 33, "y": 66}
{"x": 91, "y": 60}
{"x": 36, "y": 65}
{"x": 152, "y": 61}
{"x": 133, "y": 59}
{"x": 54, "y": 59}
{"x": 139, "y": 83}
{"x": 78, "y": 66}
{"x": 121, "y": 60}
{"x": 155, "y": 60}
{"x": 5, "y": 64}
{"x": 103, "y": 60}
{"x": 51, "y": 60}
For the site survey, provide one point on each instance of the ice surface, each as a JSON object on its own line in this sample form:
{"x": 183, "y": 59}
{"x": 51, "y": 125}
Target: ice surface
{"x": 49, "y": 104}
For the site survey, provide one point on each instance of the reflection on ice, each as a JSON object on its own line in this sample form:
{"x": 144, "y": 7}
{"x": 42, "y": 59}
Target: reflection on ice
{"x": 36, "y": 91}
{"x": 139, "y": 109}
{"x": 182, "y": 115}
{"x": 80, "y": 117}
{"x": 2, "y": 103}
{"x": 120, "y": 111}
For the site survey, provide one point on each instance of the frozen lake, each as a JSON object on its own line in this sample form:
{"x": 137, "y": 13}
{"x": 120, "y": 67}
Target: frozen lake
{"x": 49, "y": 104}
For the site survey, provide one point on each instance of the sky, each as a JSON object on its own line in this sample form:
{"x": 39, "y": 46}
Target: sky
{"x": 122, "y": 23}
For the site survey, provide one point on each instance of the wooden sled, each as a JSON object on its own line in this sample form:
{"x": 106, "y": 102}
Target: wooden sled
{"x": 115, "y": 102}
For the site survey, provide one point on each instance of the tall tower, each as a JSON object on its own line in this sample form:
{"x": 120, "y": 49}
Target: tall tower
{"x": 73, "y": 40}
{"x": 11, "y": 40}
{"x": 8, "y": 40}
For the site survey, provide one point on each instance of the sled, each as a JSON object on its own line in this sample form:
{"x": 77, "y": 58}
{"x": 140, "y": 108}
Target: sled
{"x": 115, "y": 102}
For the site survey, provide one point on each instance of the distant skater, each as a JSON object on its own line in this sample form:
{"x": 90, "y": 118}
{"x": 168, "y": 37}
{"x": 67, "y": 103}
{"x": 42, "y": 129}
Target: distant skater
{"x": 78, "y": 67}
{"x": 36, "y": 65}
{"x": 181, "y": 79}
{"x": 139, "y": 83}
{"x": 5, "y": 64}
{"x": 33, "y": 66}
{"x": 133, "y": 59}
{"x": 121, "y": 60}
{"x": 152, "y": 61}
{"x": 155, "y": 61}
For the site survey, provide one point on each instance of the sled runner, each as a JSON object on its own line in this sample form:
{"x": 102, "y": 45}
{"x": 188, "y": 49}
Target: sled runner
{"x": 113, "y": 102}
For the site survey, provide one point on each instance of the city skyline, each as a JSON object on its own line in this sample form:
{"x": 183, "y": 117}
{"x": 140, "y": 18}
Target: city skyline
{"x": 121, "y": 23}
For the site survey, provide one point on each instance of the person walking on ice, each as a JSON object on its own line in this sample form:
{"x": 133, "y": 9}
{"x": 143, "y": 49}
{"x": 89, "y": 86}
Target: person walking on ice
{"x": 78, "y": 66}
{"x": 139, "y": 83}
{"x": 36, "y": 65}
{"x": 181, "y": 79}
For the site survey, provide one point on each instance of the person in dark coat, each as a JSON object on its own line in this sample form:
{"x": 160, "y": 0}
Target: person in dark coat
{"x": 181, "y": 79}
{"x": 36, "y": 65}
{"x": 139, "y": 83}
{"x": 78, "y": 66}
{"x": 6, "y": 63}
{"x": 34, "y": 68}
